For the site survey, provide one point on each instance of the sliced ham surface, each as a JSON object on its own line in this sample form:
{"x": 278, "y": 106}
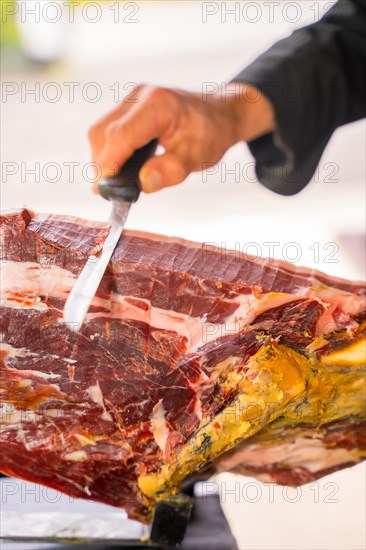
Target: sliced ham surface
{"x": 191, "y": 359}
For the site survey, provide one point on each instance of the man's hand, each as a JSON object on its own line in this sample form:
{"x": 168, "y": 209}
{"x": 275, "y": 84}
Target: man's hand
{"x": 194, "y": 131}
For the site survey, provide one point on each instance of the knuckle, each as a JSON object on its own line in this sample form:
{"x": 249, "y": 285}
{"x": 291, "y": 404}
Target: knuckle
{"x": 113, "y": 130}
{"x": 158, "y": 95}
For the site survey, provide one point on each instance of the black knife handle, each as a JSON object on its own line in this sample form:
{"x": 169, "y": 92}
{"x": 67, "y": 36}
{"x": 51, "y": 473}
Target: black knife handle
{"x": 126, "y": 185}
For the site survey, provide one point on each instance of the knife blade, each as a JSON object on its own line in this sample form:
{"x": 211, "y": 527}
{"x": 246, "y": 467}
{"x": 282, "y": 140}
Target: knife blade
{"x": 123, "y": 190}
{"x": 83, "y": 291}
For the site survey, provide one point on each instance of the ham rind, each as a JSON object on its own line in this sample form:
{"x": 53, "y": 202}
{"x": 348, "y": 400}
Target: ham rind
{"x": 190, "y": 357}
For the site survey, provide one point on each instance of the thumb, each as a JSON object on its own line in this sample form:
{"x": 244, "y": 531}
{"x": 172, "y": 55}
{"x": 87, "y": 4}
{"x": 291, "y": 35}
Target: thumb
{"x": 162, "y": 171}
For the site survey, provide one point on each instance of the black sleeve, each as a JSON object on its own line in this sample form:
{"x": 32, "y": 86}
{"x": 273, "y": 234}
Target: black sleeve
{"x": 315, "y": 80}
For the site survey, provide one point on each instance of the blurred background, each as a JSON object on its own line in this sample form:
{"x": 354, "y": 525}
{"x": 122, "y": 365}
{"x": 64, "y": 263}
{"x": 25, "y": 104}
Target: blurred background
{"x": 64, "y": 64}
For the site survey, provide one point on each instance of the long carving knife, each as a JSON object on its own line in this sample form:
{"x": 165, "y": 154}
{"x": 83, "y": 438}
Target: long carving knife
{"x": 123, "y": 190}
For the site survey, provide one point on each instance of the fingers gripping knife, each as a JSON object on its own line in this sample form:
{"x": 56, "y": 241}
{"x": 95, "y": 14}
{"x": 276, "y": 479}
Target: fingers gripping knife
{"x": 123, "y": 189}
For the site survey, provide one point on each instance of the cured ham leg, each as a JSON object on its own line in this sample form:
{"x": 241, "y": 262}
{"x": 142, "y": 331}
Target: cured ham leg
{"x": 189, "y": 358}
